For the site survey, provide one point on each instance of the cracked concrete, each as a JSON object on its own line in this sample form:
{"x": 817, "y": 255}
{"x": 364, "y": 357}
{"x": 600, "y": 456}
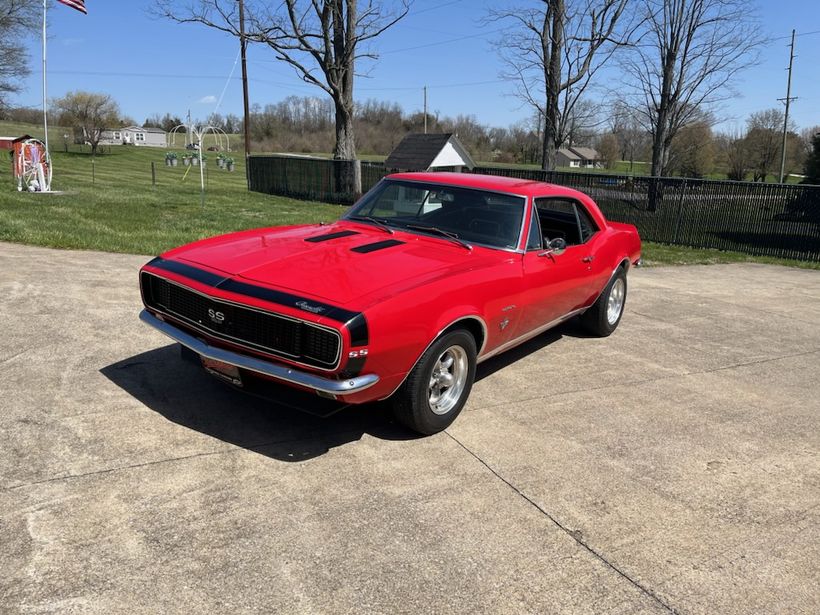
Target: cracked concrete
{"x": 673, "y": 467}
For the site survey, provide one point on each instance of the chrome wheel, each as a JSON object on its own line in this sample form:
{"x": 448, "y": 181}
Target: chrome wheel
{"x": 448, "y": 379}
{"x": 615, "y": 303}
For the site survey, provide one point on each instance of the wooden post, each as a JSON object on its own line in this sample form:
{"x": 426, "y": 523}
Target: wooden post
{"x": 92, "y": 171}
{"x": 153, "y": 174}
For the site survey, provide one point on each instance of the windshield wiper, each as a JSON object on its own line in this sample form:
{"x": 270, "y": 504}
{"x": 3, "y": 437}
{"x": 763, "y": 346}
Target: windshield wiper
{"x": 380, "y": 223}
{"x": 433, "y": 229}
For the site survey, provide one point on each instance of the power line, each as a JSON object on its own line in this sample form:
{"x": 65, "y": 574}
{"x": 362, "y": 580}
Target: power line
{"x": 447, "y": 42}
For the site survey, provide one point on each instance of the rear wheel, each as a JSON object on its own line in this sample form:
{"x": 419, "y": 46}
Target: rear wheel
{"x": 438, "y": 386}
{"x": 605, "y": 314}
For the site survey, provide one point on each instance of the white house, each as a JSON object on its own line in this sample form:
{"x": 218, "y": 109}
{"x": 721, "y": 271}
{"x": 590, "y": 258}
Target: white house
{"x": 577, "y": 157}
{"x": 135, "y": 135}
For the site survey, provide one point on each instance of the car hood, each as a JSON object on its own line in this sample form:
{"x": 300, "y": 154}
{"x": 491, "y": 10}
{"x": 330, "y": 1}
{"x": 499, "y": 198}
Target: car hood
{"x": 344, "y": 269}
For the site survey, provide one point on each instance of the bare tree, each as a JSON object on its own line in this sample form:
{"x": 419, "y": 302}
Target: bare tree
{"x": 90, "y": 114}
{"x": 684, "y": 62}
{"x": 17, "y": 19}
{"x": 552, "y": 52}
{"x": 734, "y": 154}
{"x": 322, "y": 40}
{"x": 632, "y": 136}
{"x": 763, "y": 141}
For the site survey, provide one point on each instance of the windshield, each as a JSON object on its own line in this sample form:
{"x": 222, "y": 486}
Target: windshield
{"x": 468, "y": 214}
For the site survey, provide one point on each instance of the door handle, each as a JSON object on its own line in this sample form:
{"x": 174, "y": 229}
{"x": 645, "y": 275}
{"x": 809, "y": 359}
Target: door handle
{"x": 588, "y": 259}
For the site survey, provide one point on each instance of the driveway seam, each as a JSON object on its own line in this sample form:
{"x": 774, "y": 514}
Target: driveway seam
{"x": 234, "y": 449}
{"x": 573, "y": 535}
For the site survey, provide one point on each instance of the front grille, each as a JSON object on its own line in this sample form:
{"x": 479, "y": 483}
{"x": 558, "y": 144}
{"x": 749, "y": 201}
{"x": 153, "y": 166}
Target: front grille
{"x": 271, "y": 333}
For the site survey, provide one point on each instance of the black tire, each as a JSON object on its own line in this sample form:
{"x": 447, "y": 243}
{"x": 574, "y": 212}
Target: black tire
{"x": 412, "y": 402}
{"x": 596, "y": 319}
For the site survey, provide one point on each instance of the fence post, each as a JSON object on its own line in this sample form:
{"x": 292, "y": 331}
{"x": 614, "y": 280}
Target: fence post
{"x": 153, "y": 175}
{"x": 92, "y": 171}
{"x": 680, "y": 211}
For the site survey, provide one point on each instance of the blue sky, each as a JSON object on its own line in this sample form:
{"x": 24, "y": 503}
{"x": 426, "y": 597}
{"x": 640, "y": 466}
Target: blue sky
{"x": 153, "y": 66}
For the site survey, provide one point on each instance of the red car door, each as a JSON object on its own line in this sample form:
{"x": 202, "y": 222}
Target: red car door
{"x": 557, "y": 284}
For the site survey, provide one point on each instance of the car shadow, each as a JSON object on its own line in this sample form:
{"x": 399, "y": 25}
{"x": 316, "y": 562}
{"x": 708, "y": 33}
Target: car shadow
{"x": 184, "y": 394}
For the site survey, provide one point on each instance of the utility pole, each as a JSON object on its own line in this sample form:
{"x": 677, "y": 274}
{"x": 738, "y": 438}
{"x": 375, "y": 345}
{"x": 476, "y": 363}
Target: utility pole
{"x": 787, "y": 100}
{"x": 246, "y": 119}
{"x": 425, "y": 109}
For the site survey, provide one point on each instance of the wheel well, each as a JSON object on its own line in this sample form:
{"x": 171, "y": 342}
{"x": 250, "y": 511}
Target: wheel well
{"x": 473, "y": 326}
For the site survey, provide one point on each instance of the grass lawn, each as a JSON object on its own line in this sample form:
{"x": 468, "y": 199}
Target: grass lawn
{"x": 118, "y": 210}
{"x": 111, "y": 205}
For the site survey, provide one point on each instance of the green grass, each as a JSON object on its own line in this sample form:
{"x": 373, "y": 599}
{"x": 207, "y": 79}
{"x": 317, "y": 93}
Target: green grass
{"x": 110, "y": 204}
{"x": 118, "y": 209}
{"x": 658, "y": 254}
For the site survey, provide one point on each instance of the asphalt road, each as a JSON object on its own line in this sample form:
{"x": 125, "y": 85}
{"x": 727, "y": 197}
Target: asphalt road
{"x": 673, "y": 467}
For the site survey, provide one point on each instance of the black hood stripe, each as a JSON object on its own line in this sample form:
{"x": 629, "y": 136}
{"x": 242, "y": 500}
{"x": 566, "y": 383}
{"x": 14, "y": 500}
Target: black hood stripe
{"x": 379, "y": 245}
{"x": 266, "y": 294}
{"x": 328, "y": 236}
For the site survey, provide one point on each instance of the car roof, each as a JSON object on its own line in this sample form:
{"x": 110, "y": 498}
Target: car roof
{"x": 514, "y": 185}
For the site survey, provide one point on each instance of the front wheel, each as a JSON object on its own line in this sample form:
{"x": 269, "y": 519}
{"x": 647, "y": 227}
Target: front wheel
{"x": 438, "y": 386}
{"x": 605, "y": 314}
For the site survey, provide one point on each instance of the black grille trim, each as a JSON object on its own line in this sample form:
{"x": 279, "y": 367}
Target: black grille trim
{"x": 300, "y": 341}
{"x": 243, "y": 288}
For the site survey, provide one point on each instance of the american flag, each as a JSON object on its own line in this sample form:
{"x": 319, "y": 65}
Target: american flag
{"x": 75, "y": 4}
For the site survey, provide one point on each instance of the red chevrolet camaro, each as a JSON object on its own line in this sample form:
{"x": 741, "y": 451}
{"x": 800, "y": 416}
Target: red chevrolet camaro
{"x": 423, "y": 278}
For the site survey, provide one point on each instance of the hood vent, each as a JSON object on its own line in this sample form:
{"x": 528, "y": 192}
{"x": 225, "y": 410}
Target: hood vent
{"x": 328, "y": 236}
{"x": 379, "y": 245}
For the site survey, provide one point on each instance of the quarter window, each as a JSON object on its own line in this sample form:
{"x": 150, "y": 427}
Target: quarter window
{"x": 566, "y": 219}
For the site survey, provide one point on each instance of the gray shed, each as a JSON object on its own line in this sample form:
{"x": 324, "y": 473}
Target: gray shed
{"x": 429, "y": 152}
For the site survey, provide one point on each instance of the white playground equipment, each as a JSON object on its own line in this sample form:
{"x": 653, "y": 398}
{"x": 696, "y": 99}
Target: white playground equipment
{"x": 32, "y": 166}
{"x": 194, "y": 134}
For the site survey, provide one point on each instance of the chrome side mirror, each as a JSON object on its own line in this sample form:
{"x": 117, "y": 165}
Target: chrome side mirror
{"x": 555, "y": 247}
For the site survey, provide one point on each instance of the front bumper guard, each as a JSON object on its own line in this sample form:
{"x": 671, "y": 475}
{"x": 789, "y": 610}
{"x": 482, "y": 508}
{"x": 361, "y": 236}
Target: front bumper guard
{"x": 279, "y": 372}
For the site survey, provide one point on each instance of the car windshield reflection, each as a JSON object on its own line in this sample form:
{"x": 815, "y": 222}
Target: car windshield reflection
{"x": 466, "y": 214}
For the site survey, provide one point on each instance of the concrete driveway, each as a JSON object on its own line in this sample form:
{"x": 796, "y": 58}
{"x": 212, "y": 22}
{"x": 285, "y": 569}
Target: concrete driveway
{"x": 673, "y": 467}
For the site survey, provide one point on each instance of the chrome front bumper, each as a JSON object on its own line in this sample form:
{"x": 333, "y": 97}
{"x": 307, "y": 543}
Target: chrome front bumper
{"x": 279, "y": 372}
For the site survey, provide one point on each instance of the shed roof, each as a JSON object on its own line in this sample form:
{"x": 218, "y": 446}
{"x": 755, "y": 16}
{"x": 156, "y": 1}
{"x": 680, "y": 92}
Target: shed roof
{"x": 141, "y": 129}
{"x": 419, "y": 152}
{"x": 569, "y": 153}
{"x": 586, "y": 153}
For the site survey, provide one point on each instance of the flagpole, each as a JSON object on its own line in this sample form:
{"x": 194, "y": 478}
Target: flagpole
{"x": 45, "y": 84}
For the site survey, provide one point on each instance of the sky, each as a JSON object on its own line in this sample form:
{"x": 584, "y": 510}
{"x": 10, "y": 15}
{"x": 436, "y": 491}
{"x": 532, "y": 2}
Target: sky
{"x": 155, "y": 66}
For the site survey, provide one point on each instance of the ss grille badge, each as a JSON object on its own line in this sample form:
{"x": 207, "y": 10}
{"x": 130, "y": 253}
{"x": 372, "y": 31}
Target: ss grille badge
{"x": 216, "y": 317}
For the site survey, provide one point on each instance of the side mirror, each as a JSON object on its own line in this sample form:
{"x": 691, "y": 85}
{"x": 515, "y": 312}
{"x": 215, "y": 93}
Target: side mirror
{"x": 555, "y": 247}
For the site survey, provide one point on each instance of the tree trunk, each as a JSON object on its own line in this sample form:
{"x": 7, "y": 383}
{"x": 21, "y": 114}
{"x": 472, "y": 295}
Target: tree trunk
{"x": 347, "y": 170}
{"x": 554, "y": 24}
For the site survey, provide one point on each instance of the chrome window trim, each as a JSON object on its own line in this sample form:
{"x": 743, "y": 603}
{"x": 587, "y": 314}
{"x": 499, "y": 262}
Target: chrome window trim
{"x": 245, "y": 343}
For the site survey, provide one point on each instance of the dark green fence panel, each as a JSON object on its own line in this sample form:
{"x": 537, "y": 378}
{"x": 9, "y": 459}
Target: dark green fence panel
{"x": 307, "y": 178}
{"x": 755, "y": 218}
{"x": 762, "y": 219}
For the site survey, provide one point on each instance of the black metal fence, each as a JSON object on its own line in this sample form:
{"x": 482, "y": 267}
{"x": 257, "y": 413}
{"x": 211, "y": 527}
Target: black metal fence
{"x": 755, "y": 218}
{"x": 761, "y": 219}
{"x": 317, "y": 179}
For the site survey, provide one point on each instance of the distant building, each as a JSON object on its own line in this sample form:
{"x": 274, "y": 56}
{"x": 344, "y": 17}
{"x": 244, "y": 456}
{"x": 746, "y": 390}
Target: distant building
{"x": 429, "y": 152}
{"x": 578, "y": 157}
{"x": 135, "y": 135}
